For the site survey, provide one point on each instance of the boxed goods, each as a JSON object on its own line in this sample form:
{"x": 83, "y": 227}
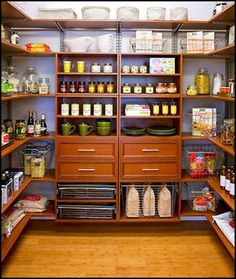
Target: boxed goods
{"x": 32, "y": 203}
{"x": 7, "y": 191}
{"x": 162, "y": 65}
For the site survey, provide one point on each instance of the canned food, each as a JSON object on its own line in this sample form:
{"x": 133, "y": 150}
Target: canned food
{"x": 65, "y": 109}
{"x": 97, "y": 109}
{"x": 9, "y": 127}
{"x": 86, "y": 109}
{"x": 75, "y": 109}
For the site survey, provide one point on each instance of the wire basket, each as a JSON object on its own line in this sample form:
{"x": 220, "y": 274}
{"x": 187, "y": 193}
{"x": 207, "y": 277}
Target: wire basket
{"x": 148, "y": 45}
{"x": 141, "y": 188}
{"x": 37, "y": 158}
{"x": 202, "y": 160}
{"x": 206, "y": 122}
{"x": 199, "y": 198}
{"x": 198, "y": 45}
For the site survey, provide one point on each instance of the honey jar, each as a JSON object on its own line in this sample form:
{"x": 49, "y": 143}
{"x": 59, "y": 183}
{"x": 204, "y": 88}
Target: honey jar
{"x": 100, "y": 87}
{"x": 91, "y": 87}
{"x": 110, "y": 87}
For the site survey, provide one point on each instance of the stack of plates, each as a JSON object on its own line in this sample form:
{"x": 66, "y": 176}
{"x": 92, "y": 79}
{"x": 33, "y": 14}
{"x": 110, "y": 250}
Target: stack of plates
{"x": 161, "y": 131}
{"x": 133, "y": 131}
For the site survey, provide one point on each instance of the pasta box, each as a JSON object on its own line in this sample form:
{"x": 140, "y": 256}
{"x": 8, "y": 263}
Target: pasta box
{"x": 162, "y": 65}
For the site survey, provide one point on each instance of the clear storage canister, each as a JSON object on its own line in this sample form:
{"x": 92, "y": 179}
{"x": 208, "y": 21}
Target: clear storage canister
{"x": 44, "y": 86}
{"x": 32, "y": 80}
{"x": 202, "y": 81}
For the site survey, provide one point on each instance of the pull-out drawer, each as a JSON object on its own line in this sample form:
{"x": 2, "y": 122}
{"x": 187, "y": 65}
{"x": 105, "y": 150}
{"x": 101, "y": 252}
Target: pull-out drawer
{"x": 77, "y": 170}
{"x": 150, "y": 150}
{"x": 146, "y": 170}
{"x": 72, "y": 150}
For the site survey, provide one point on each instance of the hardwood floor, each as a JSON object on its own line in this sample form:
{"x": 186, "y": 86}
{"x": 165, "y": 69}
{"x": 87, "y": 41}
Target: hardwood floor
{"x": 187, "y": 249}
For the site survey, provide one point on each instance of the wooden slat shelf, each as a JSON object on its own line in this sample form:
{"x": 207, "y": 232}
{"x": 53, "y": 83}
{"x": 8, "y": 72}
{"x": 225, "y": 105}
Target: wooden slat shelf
{"x": 84, "y": 116}
{"x": 188, "y": 136}
{"x": 86, "y": 95}
{"x": 50, "y": 177}
{"x": 123, "y": 218}
{"x": 18, "y": 143}
{"x": 227, "y": 50}
{"x": 150, "y": 75}
{"x": 8, "y": 243}
{"x": 85, "y": 74}
{"x": 156, "y": 24}
{"x": 227, "y": 15}
{"x": 214, "y": 97}
{"x": 152, "y": 116}
{"x": 64, "y": 53}
{"x": 50, "y": 212}
{"x": 197, "y": 97}
{"x": 25, "y": 96}
{"x": 187, "y": 178}
{"x": 154, "y": 95}
{"x": 74, "y": 220}
{"x": 227, "y": 148}
{"x": 222, "y": 237}
{"x": 92, "y": 136}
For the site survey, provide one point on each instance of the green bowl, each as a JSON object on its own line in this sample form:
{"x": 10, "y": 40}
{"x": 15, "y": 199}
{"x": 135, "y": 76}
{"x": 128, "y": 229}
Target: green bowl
{"x": 103, "y": 131}
{"x": 103, "y": 123}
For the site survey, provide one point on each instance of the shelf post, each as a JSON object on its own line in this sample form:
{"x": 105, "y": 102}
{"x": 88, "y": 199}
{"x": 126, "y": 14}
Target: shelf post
{"x": 118, "y": 37}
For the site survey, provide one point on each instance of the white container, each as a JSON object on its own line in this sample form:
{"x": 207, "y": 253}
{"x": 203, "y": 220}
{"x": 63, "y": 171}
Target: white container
{"x": 156, "y": 13}
{"x": 108, "y": 109}
{"x": 217, "y": 83}
{"x": 95, "y": 12}
{"x": 75, "y": 109}
{"x": 105, "y": 43}
{"x": 65, "y": 109}
{"x": 57, "y": 13}
{"x": 231, "y": 35}
{"x": 86, "y": 109}
{"x": 97, "y": 109}
{"x": 127, "y": 13}
{"x": 179, "y": 13}
{"x": 80, "y": 44}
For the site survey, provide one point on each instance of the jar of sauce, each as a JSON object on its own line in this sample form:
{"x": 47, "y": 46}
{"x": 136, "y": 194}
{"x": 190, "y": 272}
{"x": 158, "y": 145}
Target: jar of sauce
{"x": 107, "y": 68}
{"x": 159, "y": 88}
{"x": 95, "y": 68}
{"x": 172, "y": 89}
{"x": 134, "y": 69}
{"x": 100, "y": 87}
{"x": 165, "y": 108}
{"x": 143, "y": 69}
{"x": 91, "y": 87}
{"x": 149, "y": 89}
{"x": 9, "y": 128}
{"x": 165, "y": 88}
{"x": 63, "y": 87}
{"x": 126, "y": 69}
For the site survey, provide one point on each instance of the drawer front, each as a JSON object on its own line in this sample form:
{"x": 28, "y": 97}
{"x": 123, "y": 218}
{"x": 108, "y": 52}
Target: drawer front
{"x": 145, "y": 170}
{"x": 73, "y": 170}
{"x": 150, "y": 150}
{"x": 86, "y": 150}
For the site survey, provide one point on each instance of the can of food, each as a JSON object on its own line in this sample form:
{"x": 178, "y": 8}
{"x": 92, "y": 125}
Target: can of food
{"x": 80, "y": 66}
{"x": 126, "y": 69}
{"x": 75, "y": 109}
{"x": 97, "y": 109}
{"x": 108, "y": 109}
{"x": 65, "y": 109}
{"x": 86, "y": 109}
{"x": 134, "y": 69}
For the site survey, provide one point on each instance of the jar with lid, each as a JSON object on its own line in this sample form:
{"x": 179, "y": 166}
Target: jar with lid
{"x": 20, "y": 129}
{"x": 110, "y": 87}
{"x": 156, "y": 108}
{"x": 160, "y": 88}
{"x": 173, "y": 108}
{"x": 202, "y": 81}
{"x": 3, "y": 33}
{"x": 138, "y": 88}
{"x": 13, "y": 78}
{"x": 86, "y": 109}
{"x": 172, "y": 89}
{"x": 107, "y": 68}
{"x": 91, "y": 87}
{"x": 81, "y": 87}
{"x": 9, "y": 127}
{"x": 108, "y": 109}
{"x": 4, "y": 82}
{"x": 37, "y": 128}
{"x": 143, "y": 69}
{"x": 149, "y": 89}
{"x": 191, "y": 90}
{"x": 75, "y": 109}
{"x": 218, "y": 79}
{"x": 165, "y": 108}
{"x": 32, "y": 78}
{"x": 126, "y": 69}
{"x": 44, "y": 86}
{"x": 126, "y": 88}
{"x": 165, "y": 87}
{"x": 65, "y": 109}
{"x": 231, "y": 84}
{"x": 95, "y": 68}
{"x": 63, "y": 87}
{"x": 134, "y": 69}
{"x": 227, "y": 132}
{"x": 72, "y": 87}
{"x": 97, "y": 109}
{"x": 100, "y": 87}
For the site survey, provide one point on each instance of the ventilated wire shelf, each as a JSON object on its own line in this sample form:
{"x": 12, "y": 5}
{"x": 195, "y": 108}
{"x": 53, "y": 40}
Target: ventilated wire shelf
{"x": 141, "y": 188}
{"x": 148, "y": 45}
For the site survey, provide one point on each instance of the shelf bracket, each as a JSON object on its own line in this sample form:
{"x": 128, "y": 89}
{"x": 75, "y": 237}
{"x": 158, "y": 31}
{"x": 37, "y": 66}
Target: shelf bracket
{"x": 62, "y": 36}
{"x": 118, "y": 37}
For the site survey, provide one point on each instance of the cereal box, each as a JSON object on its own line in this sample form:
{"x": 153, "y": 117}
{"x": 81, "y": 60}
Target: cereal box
{"x": 162, "y": 65}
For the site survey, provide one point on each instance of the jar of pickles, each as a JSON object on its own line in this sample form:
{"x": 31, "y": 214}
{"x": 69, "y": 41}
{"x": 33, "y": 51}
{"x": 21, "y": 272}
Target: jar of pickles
{"x": 20, "y": 129}
{"x": 202, "y": 81}
{"x": 91, "y": 87}
{"x": 100, "y": 87}
{"x": 110, "y": 87}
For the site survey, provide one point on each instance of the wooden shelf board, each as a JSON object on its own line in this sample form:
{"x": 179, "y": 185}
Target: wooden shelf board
{"x": 197, "y": 97}
{"x": 85, "y": 74}
{"x": 147, "y": 136}
{"x": 25, "y": 96}
{"x": 222, "y": 237}
{"x": 150, "y": 75}
{"x": 94, "y": 24}
{"x": 187, "y": 178}
{"x": 150, "y": 54}
{"x": 85, "y": 95}
{"x": 92, "y": 136}
{"x": 201, "y": 25}
{"x": 156, "y": 24}
{"x": 227, "y": 15}
{"x": 50, "y": 212}
{"x": 10, "y": 10}
{"x": 227, "y": 50}
{"x": 8, "y": 243}
{"x": 188, "y": 136}
{"x": 197, "y": 55}
{"x": 227, "y": 148}
{"x": 154, "y": 95}
{"x": 123, "y": 218}
{"x": 223, "y": 98}
{"x": 152, "y": 116}
{"x": 64, "y": 53}
{"x": 83, "y": 116}
{"x": 89, "y": 200}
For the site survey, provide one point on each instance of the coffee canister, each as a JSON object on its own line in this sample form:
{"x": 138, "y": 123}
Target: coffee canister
{"x": 64, "y": 109}
{"x": 75, "y": 109}
{"x": 97, "y": 109}
{"x": 86, "y": 109}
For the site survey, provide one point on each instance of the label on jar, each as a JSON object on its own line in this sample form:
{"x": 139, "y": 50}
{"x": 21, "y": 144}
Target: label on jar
{"x": 37, "y": 130}
{"x": 30, "y": 129}
{"x": 75, "y": 109}
{"x": 143, "y": 69}
{"x": 134, "y": 69}
{"x": 222, "y": 181}
{"x": 97, "y": 109}
{"x": 86, "y": 109}
{"x": 125, "y": 69}
{"x": 108, "y": 109}
{"x": 64, "y": 109}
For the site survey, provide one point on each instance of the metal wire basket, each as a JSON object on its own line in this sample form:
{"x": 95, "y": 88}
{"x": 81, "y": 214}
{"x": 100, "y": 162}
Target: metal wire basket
{"x": 148, "y": 45}
{"x": 141, "y": 188}
{"x": 202, "y": 160}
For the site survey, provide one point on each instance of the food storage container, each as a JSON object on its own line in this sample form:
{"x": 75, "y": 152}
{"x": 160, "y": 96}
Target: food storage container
{"x": 137, "y": 88}
{"x": 107, "y": 68}
{"x": 32, "y": 79}
{"x": 156, "y": 13}
{"x": 179, "y": 13}
{"x": 52, "y": 13}
{"x": 20, "y": 129}
{"x": 202, "y": 81}
{"x": 44, "y": 86}
{"x": 100, "y": 87}
{"x": 95, "y": 12}
{"x": 127, "y": 13}
{"x": 227, "y": 134}
{"x": 95, "y": 68}
{"x": 91, "y": 87}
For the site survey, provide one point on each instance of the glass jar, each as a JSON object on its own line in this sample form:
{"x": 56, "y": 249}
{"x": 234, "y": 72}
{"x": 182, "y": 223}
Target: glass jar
{"x": 20, "y": 129}
{"x": 126, "y": 69}
{"x": 37, "y": 128}
{"x": 86, "y": 109}
{"x": 218, "y": 79}
{"x": 149, "y": 89}
{"x": 81, "y": 66}
{"x": 165, "y": 108}
{"x": 100, "y": 87}
{"x": 108, "y": 109}
{"x": 91, "y": 87}
{"x": 134, "y": 69}
{"x": 65, "y": 109}
{"x": 173, "y": 108}
{"x": 13, "y": 78}
{"x": 81, "y": 87}
{"x": 95, "y": 68}
{"x": 156, "y": 108}
{"x": 75, "y": 109}
{"x": 9, "y": 128}
{"x": 63, "y": 87}
{"x": 202, "y": 81}
{"x": 160, "y": 88}
{"x": 4, "y": 82}
{"x": 227, "y": 132}
{"x": 126, "y": 88}
{"x": 32, "y": 79}
{"x": 165, "y": 87}
{"x": 143, "y": 69}
{"x": 110, "y": 87}
{"x": 172, "y": 89}
{"x": 72, "y": 87}
{"x": 97, "y": 109}
{"x": 138, "y": 88}
{"x": 231, "y": 84}
{"x": 107, "y": 68}
{"x": 44, "y": 86}
{"x": 191, "y": 90}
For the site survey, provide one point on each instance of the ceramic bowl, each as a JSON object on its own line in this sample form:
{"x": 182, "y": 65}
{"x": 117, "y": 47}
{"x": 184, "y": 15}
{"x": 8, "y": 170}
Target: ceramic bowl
{"x": 103, "y": 131}
{"x": 103, "y": 123}
{"x": 80, "y": 44}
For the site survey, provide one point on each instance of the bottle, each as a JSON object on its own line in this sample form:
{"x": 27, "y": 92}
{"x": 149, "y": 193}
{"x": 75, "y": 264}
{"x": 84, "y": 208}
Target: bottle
{"x": 232, "y": 168}
{"x": 30, "y": 124}
{"x": 227, "y": 180}
{"x": 15, "y": 38}
{"x": 222, "y": 177}
{"x": 43, "y": 125}
{"x": 34, "y": 116}
{"x": 232, "y": 185}
{"x": 37, "y": 128}
{"x": 3, "y": 179}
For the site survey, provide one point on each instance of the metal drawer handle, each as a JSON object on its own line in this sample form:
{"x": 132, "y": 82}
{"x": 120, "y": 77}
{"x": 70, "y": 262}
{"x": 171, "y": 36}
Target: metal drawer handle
{"x": 150, "y": 150}
{"x": 150, "y": 169}
{"x": 86, "y": 169}
{"x": 86, "y": 150}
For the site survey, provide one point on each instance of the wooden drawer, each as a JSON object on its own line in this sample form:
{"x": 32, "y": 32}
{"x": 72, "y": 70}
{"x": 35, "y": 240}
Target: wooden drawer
{"x": 72, "y": 170}
{"x": 146, "y": 170}
{"x": 150, "y": 150}
{"x": 74, "y": 150}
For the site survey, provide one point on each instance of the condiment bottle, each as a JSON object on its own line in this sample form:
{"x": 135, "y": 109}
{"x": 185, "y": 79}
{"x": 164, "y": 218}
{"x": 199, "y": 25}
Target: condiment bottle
{"x": 156, "y": 108}
{"x": 165, "y": 108}
{"x": 15, "y": 39}
{"x": 72, "y": 87}
{"x": 173, "y": 108}
{"x": 232, "y": 185}
{"x": 227, "y": 180}
{"x": 37, "y": 128}
{"x": 222, "y": 177}
{"x": 63, "y": 86}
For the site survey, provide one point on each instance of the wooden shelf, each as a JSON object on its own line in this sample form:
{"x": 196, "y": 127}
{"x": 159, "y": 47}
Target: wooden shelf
{"x": 154, "y": 95}
{"x": 227, "y": 15}
{"x": 197, "y": 97}
{"x": 87, "y": 53}
{"x": 149, "y": 24}
{"x": 85, "y": 74}
{"x": 187, "y": 178}
{"x": 10, "y": 10}
{"x": 92, "y": 136}
{"x": 86, "y": 95}
{"x": 223, "y": 98}
{"x": 227, "y": 50}
{"x": 86, "y": 200}
{"x": 202, "y": 25}
{"x": 83, "y": 116}
{"x": 80, "y": 220}
{"x": 17, "y": 143}
{"x": 150, "y": 75}
{"x": 150, "y": 54}
{"x": 8, "y": 243}
{"x": 50, "y": 177}
{"x": 152, "y": 116}
{"x": 227, "y": 148}
{"x": 146, "y": 136}
{"x": 188, "y": 136}
{"x": 123, "y": 218}
{"x": 80, "y": 23}
{"x": 50, "y": 212}
{"x": 25, "y": 96}
{"x": 222, "y": 237}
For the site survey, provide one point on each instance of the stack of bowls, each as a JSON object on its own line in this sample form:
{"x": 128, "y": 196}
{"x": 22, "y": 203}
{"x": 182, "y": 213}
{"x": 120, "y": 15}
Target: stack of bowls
{"x": 103, "y": 127}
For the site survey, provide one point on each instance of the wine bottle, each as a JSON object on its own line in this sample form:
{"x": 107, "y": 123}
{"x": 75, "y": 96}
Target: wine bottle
{"x": 43, "y": 125}
{"x": 30, "y": 124}
{"x": 222, "y": 177}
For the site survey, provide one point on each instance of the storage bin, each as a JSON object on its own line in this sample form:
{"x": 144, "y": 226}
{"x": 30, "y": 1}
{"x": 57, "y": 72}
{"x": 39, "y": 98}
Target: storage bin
{"x": 95, "y": 12}
{"x": 127, "y": 13}
{"x": 56, "y": 13}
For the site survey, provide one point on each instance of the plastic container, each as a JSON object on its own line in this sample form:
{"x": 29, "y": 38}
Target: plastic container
{"x": 127, "y": 13}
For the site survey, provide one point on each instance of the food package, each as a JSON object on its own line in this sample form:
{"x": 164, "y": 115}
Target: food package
{"x": 95, "y": 12}
{"x": 162, "y": 65}
{"x": 164, "y": 202}
{"x": 32, "y": 203}
{"x": 204, "y": 122}
{"x": 204, "y": 200}
{"x": 208, "y": 41}
{"x": 37, "y": 166}
{"x": 195, "y": 42}
{"x": 38, "y": 47}
{"x": 132, "y": 202}
{"x": 149, "y": 202}
{"x": 27, "y": 166}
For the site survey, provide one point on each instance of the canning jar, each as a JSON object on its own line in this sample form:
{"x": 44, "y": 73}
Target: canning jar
{"x": 191, "y": 90}
{"x": 108, "y": 109}
{"x": 32, "y": 79}
{"x": 81, "y": 66}
{"x": 86, "y": 109}
{"x": 202, "y": 81}
{"x": 37, "y": 128}
{"x": 100, "y": 87}
{"x": 165, "y": 87}
{"x": 165, "y": 108}
{"x": 110, "y": 87}
{"x": 81, "y": 87}
{"x": 160, "y": 88}
{"x": 44, "y": 86}
{"x": 75, "y": 109}
{"x": 9, "y": 127}
{"x": 126, "y": 88}
{"x": 107, "y": 68}
{"x": 65, "y": 109}
{"x": 173, "y": 108}
{"x": 137, "y": 88}
{"x": 20, "y": 129}
{"x": 63, "y": 87}
{"x": 126, "y": 69}
{"x": 97, "y": 109}
{"x": 91, "y": 87}
{"x": 172, "y": 89}
{"x": 95, "y": 68}
{"x": 13, "y": 78}
{"x": 149, "y": 89}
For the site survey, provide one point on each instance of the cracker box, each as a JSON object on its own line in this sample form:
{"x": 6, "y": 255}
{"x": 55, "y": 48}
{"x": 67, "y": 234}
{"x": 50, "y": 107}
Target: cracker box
{"x": 162, "y": 65}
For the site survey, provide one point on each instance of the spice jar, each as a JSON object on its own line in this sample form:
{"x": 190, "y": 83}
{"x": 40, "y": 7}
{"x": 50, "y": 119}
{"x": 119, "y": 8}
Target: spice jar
{"x": 63, "y": 87}
{"x": 173, "y": 108}
{"x": 91, "y": 87}
{"x": 107, "y": 68}
{"x": 65, "y": 109}
{"x": 80, "y": 66}
{"x": 172, "y": 89}
{"x": 97, "y": 109}
{"x": 44, "y": 86}
{"x": 202, "y": 81}
{"x": 191, "y": 90}
{"x": 156, "y": 108}
{"x": 81, "y": 87}
{"x": 149, "y": 89}
{"x": 159, "y": 88}
{"x": 9, "y": 127}
{"x": 143, "y": 69}
{"x": 134, "y": 69}
{"x": 95, "y": 68}
{"x": 75, "y": 109}
{"x": 126, "y": 69}
{"x": 72, "y": 87}
{"x": 110, "y": 87}
{"x": 108, "y": 109}
{"x": 20, "y": 129}
{"x": 100, "y": 87}
{"x": 86, "y": 109}
{"x": 137, "y": 88}
{"x": 165, "y": 108}
{"x": 126, "y": 88}
{"x": 37, "y": 128}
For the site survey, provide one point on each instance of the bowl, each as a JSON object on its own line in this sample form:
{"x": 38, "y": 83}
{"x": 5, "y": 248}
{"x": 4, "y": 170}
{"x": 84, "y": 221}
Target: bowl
{"x": 103, "y": 123}
{"x": 133, "y": 131}
{"x": 79, "y": 44}
{"x": 103, "y": 131}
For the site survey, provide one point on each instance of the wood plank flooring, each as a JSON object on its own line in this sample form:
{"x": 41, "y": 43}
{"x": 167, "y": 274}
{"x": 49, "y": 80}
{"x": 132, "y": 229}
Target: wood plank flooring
{"x": 186, "y": 249}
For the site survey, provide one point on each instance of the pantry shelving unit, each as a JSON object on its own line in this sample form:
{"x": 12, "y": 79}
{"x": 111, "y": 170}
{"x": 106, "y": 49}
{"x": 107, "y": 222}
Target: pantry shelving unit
{"x": 113, "y": 159}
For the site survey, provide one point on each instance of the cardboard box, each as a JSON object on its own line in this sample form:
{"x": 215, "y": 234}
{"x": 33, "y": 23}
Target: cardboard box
{"x": 162, "y": 65}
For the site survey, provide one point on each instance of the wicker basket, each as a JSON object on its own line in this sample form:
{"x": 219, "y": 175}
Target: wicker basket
{"x": 95, "y": 12}
{"x": 127, "y": 13}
